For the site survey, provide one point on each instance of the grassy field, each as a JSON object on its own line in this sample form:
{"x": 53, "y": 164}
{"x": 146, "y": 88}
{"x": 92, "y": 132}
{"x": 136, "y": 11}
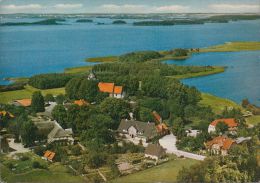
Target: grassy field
{"x": 103, "y": 59}
{"x": 55, "y": 173}
{"x": 253, "y": 120}
{"x": 233, "y": 46}
{"x": 9, "y": 96}
{"x": 77, "y": 70}
{"x": 217, "y": 103}
{"x": 216, "y": 70}
{"x": 166, "y": 172}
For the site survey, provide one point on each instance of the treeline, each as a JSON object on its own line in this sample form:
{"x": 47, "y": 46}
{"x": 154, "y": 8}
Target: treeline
{"x": 212, "y": 19}
{"x": 48, "y": 81}
{"x": 168, "y": 22}
{"x": 42, "y": 22}
{"x": 140, "y": 56}
{"x": 140, "y": 70}
{"x": 12, "y": 87}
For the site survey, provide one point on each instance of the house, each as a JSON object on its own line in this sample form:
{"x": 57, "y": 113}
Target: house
{"x": 154, "y": 151}
{"x": 92, "y": 76}
{"x": 162, "y": 129}
{"x": 220, "y": 145}
{"x": 49, "y": 156}
{"x": 231, "y": 122}
{"x": 111, "y": 89}
{"x": 59, "y": 135}
{"x": 23, "y": 102}
{"x": 192, "y": 133}
{"x": 157, "y": 117}
{"x": 81, "y": 102}
{"x": 137, "y": 129}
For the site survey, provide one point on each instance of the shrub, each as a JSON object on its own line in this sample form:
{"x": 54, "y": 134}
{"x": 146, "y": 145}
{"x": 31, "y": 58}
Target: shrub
{"x": 36, "y": 164}
{"x": 24, "y": 158}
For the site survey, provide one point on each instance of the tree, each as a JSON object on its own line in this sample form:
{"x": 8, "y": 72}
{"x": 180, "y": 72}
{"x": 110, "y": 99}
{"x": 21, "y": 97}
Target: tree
{"x": 37, "y": 102}
{"x": 60, "y": 99}
{"x": 145, "y": 114}
{"x": 49, "y": 98}
{"x": 221, "y": 127}
{"x": 178, "y": 128}
{"x": 115, "y": 108}
{"x": 82, "y": 88}
{"x": 245, "y": 103}
{"x": 59, "y": 113}
{"x": 99, "y": 129}
{"x": 29, "y": 133}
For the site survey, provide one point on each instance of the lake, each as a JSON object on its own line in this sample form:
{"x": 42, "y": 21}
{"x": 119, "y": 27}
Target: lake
{"x": 29, "y": 50}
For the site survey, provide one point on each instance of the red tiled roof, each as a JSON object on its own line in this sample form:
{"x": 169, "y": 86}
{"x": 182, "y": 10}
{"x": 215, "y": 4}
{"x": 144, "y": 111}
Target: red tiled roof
{"x": 157, "y": 117}
{"x": 161, "y": 127}
{"x": 223, "y": 142}
{"x": 49, "y": 155}
{"x": 106, "y": 87}
{"x": 231, "y": 122}
{"x": 24, "y": 102}
{"x": 118, "y": 89}
{"x": 110, "y": 88}
{"x": 81, "y": 102}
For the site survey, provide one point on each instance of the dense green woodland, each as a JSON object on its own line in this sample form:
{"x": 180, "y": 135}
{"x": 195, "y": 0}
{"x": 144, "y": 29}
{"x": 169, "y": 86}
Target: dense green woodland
{"x": 47, "y": 81}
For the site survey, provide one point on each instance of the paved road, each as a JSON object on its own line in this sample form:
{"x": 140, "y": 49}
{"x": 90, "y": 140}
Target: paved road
{"x": 169, "y": 143}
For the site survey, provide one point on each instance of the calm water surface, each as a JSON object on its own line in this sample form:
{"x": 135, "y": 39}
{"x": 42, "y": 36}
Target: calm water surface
{"x": 29, "y": 50}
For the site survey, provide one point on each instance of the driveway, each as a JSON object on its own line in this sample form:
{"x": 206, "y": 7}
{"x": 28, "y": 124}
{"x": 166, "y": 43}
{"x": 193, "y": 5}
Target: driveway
{"x": 169, "y": 143}
{"x": 18, "y": 147}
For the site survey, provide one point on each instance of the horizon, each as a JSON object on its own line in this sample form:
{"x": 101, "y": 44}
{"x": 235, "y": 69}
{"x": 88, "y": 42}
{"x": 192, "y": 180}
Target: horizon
{"x": 128, "y": 6}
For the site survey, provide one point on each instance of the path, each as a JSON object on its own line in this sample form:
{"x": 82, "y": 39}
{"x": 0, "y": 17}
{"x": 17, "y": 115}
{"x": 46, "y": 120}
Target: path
{"x": 169, "y": 143}
{"x": 103, "y": 177}
{"x": 18, "y": 147}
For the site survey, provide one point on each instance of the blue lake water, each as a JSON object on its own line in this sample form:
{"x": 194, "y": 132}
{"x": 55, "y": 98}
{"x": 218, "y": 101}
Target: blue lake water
{"x": 239, "y": 81}
{"x": 29, "y": 50}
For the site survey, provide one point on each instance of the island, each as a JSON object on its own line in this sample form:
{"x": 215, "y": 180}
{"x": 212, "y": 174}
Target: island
{"x": 84, "y": 20}
{"x": 42, "y": 22}
{"x": 119, "y": 22}
{"x": 186, "y": 21}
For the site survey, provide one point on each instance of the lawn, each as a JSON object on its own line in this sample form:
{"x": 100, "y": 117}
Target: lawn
{"x": 24, "y": 172}
{"x": 166, "y": 172}
{"x": 233, "y": 46}
{"x": 9, "y": 96}
{"x": 253, "y": 120}
{"x": 103, "y": 59}
{"x": 77, "y": 70}
{"x": 217, "y": 103}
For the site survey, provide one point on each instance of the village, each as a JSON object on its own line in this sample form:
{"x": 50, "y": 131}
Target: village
{"x": 138, "y": 144}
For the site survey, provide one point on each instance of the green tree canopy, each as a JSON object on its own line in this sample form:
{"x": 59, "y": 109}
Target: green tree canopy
{"x": 37, "y": 102}
{"x": 115, "y": 108}
{"x": 28, "y": 133}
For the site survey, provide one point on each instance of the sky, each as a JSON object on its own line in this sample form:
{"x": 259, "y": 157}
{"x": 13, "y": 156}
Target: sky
{"x": 129, "y": 6}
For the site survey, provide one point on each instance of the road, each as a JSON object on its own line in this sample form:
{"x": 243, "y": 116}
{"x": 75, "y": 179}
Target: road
{"x": 169, "y": 143}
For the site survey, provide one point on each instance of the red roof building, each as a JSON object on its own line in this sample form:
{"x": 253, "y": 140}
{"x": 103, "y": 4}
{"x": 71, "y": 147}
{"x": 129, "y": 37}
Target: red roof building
{"x": 230, "y": 122}
{"x": 114, "y": 91}
{"x": 49, "y": 155}
{"x": 220, "y": 145}
{"x": 81, "y": 102}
